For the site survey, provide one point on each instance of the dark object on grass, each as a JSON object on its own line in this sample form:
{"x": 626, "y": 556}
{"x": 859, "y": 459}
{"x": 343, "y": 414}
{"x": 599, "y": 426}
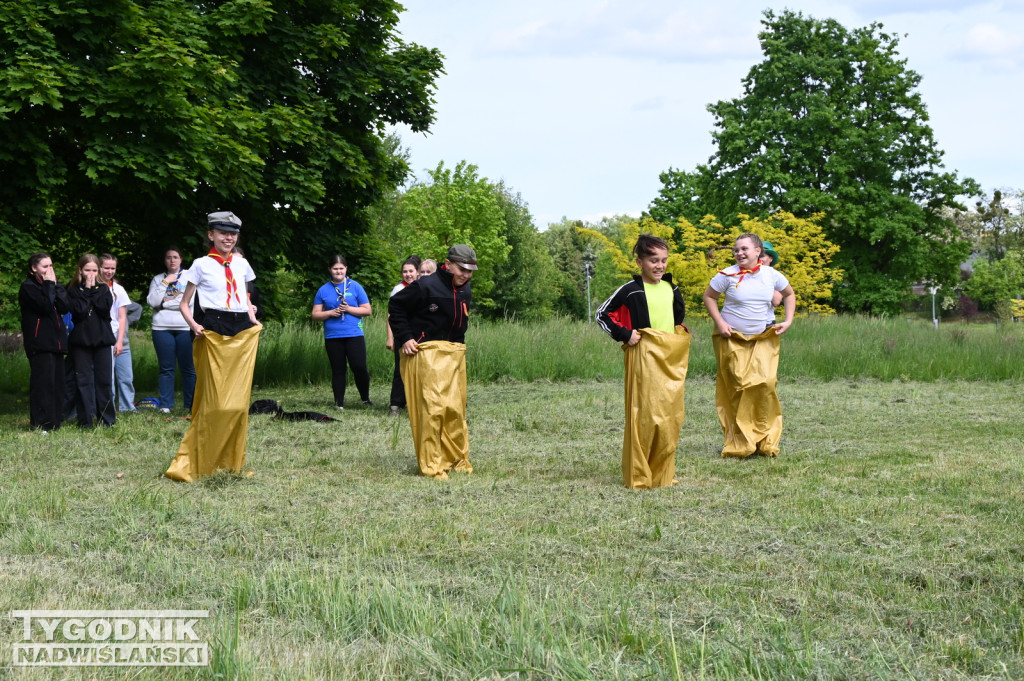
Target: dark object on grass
{"x": 274, "y": 407}
{"x": 264, "y": 407}
{"x": 304, "y": 416}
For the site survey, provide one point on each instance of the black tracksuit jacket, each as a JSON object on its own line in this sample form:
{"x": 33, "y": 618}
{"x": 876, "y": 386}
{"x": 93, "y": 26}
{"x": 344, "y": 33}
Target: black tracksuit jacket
{"x": 626, "y": 310}
{"x": 43, "y": 306}
{"x": 430, "y": 309}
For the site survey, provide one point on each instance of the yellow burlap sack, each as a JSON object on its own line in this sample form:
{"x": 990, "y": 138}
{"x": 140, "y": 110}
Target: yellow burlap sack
{"x": 220, "y": 409}
{"x": 655, "y": 408}
{"x": 748, "y": 406}
{"x": 435, "y": 393}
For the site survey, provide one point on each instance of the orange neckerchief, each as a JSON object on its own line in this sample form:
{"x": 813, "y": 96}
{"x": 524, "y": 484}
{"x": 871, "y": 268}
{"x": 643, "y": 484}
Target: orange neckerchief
{"x": 742, "y": 273}
{"x": 232, "y": 284}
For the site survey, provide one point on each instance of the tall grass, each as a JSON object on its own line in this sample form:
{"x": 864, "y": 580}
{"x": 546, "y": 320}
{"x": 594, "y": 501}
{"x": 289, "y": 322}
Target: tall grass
{"x": 558, "y": 350}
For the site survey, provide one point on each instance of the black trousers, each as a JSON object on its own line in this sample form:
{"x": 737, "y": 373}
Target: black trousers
{"x": 94, "y": 377}
{"x": 46, "y": 390}
{"x": 397, "y": 386}
{"x": 226, "y": 323}
{"x": 351, "y": 351}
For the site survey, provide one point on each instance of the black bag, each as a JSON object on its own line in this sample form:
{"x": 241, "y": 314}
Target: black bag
{"x": 273, "y": 407}
{"x": 264, "y": 407}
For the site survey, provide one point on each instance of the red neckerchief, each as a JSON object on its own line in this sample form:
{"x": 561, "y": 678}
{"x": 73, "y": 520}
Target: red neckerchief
{"x": 232, "y": 284}
{"x": 742, "y": 273}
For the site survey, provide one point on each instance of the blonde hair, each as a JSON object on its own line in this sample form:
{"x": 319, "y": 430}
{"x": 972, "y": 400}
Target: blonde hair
{"x": 82, "y": 262}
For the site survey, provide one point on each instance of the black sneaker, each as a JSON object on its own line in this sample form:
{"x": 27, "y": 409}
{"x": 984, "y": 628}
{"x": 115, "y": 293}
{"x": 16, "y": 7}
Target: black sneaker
{"x": 368, "y": 403}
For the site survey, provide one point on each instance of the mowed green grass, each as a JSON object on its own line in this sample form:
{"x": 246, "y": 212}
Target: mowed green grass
{"x": 885, "y": 542}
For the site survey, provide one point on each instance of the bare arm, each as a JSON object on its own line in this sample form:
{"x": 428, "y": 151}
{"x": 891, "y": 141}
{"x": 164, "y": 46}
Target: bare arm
{"x": 789, "y": 305}
{"x": 186, "y": 309}
{"x": 711, "y": 303}
{"x": 122, "y": 329}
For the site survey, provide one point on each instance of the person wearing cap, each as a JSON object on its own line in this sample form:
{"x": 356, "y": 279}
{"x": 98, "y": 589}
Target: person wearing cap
{"x": 429, "y": 319}
{"x": 770, "y": 258}
{"x": 224, "y": 352}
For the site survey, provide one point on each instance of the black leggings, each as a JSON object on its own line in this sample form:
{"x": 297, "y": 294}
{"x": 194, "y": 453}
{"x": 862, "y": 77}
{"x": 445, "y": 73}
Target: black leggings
{"x": 342, "y": 351}
{"x": 397, "y": 386}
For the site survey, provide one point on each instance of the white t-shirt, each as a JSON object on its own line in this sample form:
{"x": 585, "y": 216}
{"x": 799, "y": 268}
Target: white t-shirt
{"x": 120, "y": 300}
{"x": 212, "y": 284}
{"x": 747, "y": 300}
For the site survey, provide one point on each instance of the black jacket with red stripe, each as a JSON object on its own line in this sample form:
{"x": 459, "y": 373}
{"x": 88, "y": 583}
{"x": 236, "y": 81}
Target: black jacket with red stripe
{"x": 430, "y": 309}
{"x": 43, "y": 306}
{"x": 627, "y": 310}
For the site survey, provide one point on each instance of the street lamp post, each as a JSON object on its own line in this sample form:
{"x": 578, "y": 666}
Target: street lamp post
{"x": 933, "y": 289}
{"x": 588, "y": 257}
{"x": 588, "y": 269}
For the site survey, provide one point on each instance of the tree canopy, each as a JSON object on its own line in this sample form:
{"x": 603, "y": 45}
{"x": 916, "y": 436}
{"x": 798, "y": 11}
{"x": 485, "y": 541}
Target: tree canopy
{"x": 122, "y": 122}
{"x": 831, "y": 122}
{"x": 457, "y": 206}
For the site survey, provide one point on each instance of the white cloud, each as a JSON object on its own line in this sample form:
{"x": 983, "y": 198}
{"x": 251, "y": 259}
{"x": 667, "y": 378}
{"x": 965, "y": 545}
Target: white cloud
{"x": 890, "y": 7}
{"x": 643, "y": 30}
{"x": 990, "y": 42}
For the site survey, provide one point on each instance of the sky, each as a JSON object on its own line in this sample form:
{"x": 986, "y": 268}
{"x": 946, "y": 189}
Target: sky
{"x": 578, "y": 105}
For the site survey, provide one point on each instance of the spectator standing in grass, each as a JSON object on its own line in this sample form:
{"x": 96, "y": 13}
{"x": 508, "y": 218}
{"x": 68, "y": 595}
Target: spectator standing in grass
{"x": 410, "y": 273}
{"x": 342, "y": 304}
{"x": 43, "y": 305}
{"x": 747, "y": 349}
{"x": 91, "y": 342}
{"x": 429, "y": 318}
{"x": 226, "y": 340}
{"x": 124, "y": 375}
{"x": 171, "y": 336}
{"x": 646, "y": 316}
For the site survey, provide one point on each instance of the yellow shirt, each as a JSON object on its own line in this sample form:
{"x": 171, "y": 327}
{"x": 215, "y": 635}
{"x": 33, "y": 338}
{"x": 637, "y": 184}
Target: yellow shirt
{"x": 659, "y": 305}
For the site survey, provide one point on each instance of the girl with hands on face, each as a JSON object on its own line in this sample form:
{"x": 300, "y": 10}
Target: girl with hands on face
{"x": 90, "y": 301}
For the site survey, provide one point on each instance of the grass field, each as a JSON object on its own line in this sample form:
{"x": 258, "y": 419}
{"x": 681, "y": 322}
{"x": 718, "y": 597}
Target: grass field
{"x": 884, "y": 543}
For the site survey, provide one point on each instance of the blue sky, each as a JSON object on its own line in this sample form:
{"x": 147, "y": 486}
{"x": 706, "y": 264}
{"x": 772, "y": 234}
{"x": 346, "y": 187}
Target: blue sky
{"x": 579, "y": 104}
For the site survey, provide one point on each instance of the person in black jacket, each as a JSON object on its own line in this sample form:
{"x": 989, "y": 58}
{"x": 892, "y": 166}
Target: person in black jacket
{"x": 91, "y": 341}
{"x": 646, "y": 315}
{"x": 429, "y": 319}
{"x": 43, "y": 305}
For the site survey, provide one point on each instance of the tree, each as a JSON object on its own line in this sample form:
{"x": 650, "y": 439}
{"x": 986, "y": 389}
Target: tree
{"x": 830, "y": 122}
{"x": 522, "y": 286}
{"x": 568, "y": 250}
{"x": 994, "y": 283}
{"x": 122, "y": 122}
{"x": 998, "y": 228}
{"x": 685, "y": 195}
{"x": 457, "y": 206}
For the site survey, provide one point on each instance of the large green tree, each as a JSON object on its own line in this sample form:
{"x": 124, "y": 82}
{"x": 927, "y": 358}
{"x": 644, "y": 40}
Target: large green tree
{"x": 831, "y": 121}
{"x": 523, "y": 287}
{"x": 122, "y": 122}
{"x": 457, "y": 206}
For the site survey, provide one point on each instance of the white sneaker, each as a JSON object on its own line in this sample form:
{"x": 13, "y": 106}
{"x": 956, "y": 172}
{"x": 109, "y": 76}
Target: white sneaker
{"x": 165, "y": 410}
